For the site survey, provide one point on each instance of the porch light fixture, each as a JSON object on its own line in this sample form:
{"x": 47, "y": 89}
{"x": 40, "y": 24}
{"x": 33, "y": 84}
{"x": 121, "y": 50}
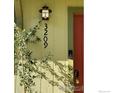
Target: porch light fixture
{"x": 45, "y": 12}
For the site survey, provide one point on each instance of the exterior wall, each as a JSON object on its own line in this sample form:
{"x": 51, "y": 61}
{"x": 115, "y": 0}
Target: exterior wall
{"x": 58, "y": 35}
{"x": 76, "y": 3}
{"x": 42, "y": 85}
{"x": 57, "y": 25}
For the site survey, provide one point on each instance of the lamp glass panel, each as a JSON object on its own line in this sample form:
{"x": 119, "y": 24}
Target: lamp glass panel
{"x": 45, "y": 13}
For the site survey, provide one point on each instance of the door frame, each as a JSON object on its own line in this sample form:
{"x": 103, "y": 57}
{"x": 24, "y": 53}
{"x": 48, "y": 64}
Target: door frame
{"x": 71, "y": 12}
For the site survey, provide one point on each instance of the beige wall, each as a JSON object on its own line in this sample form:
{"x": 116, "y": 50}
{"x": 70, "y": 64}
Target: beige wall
{"x": 75, "y": 3}
{"x": 58, "y": 33}
{"x": 57, "y": 25}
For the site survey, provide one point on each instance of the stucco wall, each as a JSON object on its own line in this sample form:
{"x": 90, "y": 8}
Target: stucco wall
{"x": 57, "y": 25}
{"x": 58, "y": 35}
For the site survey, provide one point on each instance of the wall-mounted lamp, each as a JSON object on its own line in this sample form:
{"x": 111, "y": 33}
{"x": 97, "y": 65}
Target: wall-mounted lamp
{"x": 45, "y": 12}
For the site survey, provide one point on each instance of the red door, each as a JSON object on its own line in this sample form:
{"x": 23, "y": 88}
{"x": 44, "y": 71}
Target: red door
{"x": 78, "y": 53}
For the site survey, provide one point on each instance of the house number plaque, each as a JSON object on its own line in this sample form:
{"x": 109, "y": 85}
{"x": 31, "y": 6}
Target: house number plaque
{"x": 45, "y": 38}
